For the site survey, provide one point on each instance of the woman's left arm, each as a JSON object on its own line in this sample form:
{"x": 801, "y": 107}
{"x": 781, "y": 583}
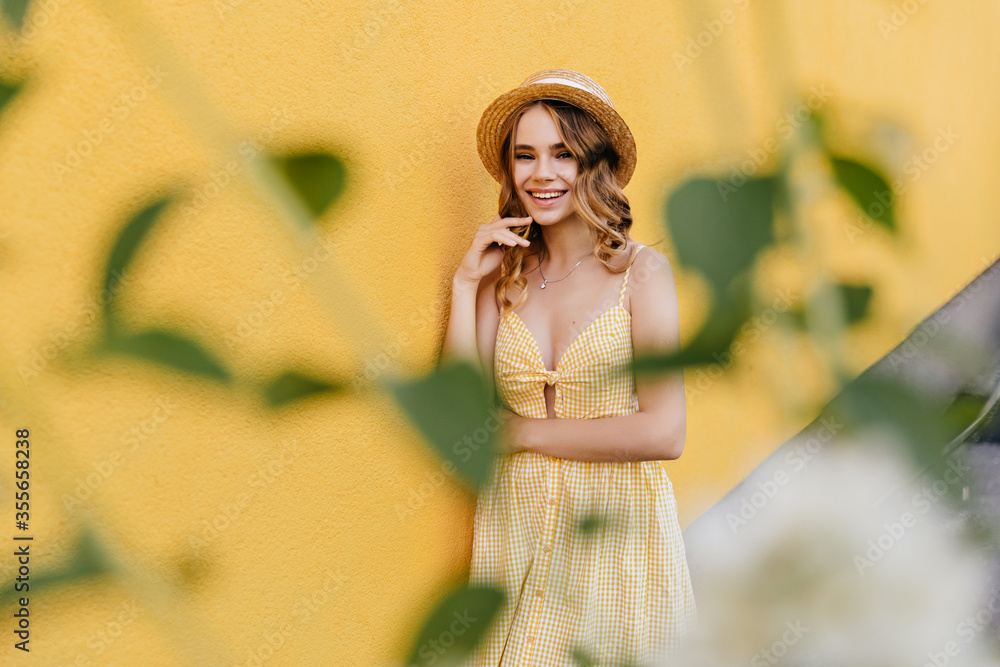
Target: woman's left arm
{"x": 657, "y": 431}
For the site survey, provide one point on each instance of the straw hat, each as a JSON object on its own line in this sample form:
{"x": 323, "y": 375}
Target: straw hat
{"x": 556, "y": 84}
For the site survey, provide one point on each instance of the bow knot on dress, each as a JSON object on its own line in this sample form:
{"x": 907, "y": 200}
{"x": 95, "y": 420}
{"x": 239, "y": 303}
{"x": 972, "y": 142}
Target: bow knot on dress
{"x": 542, "y": 375}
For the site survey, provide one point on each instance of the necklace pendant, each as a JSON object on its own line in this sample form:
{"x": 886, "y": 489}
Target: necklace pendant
{"x": 543, "y": 283}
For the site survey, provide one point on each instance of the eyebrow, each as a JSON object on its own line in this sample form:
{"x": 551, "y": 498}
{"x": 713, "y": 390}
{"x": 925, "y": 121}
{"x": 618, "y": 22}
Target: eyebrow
{"x": 520, "y": 147}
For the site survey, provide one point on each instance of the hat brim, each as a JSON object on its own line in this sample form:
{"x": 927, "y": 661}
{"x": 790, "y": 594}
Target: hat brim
{"x": 496, "y": 114}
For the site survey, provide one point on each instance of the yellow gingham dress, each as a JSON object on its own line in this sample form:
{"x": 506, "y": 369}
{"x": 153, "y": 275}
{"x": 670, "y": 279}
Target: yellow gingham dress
{"x": 623, "y": 594}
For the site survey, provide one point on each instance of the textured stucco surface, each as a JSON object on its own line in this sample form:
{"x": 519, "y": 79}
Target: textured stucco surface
{"x": 327, "y": 558}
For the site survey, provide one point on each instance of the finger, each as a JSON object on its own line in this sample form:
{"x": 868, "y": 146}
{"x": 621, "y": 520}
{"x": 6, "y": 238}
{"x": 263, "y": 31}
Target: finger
{"x": 519, "y": 239}
{"x": 516, "y": 222}
{"x": 507, "y": 236}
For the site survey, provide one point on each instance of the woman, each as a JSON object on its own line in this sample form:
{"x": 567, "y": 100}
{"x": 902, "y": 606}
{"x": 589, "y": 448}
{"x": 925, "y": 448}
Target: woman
{"x": 578, "y": 522}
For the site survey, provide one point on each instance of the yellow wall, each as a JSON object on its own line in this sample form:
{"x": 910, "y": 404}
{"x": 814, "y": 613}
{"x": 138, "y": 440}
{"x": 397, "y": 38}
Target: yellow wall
{"x": 315, "y": 558}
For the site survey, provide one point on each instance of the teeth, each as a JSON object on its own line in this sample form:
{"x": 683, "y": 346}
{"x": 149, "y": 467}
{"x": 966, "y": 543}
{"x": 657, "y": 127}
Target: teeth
{"x": 546, "y": 195}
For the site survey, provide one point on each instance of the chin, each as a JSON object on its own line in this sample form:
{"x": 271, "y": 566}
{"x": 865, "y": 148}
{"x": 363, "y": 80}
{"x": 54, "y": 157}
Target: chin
{"x": 550, "y": 217}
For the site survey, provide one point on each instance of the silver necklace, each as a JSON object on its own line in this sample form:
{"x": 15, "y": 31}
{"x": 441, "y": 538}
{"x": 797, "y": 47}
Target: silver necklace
{"x": 546, "y": 280}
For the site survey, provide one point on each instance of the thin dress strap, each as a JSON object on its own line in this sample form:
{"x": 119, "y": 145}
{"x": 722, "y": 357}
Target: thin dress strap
{"x": 621, "y": 297}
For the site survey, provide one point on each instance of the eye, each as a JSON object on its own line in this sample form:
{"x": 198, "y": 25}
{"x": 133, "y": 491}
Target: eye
{"x": 566, "y": 154}
{"x": 523, "y": 155}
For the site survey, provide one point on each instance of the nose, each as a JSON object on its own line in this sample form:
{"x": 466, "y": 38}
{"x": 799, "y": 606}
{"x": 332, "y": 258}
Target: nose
{"x": 543, "y": 168}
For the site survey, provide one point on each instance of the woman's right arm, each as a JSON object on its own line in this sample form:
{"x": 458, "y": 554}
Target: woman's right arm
{"x": 460, "y": 340}
{"x": 473, "y": 310}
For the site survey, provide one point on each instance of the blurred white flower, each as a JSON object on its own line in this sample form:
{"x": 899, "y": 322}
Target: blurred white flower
{"x": 842, "y": 563}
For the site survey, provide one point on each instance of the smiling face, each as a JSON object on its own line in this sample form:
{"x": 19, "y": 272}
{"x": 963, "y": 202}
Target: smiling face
{"x": 544, "y": 169}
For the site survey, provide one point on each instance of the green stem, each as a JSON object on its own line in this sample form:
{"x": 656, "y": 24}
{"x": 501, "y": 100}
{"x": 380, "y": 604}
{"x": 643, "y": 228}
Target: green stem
{"x": 823, "y": 304}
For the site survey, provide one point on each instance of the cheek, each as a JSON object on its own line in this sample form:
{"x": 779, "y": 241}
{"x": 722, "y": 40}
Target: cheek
{"x": 569, "y": 174}
{"x": 520, "y": 173}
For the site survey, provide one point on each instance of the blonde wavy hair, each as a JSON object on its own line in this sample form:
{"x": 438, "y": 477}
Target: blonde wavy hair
{"x": 597, "y": 197}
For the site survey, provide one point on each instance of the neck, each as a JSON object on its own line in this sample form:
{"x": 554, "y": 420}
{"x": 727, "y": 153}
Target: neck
{"x": 566, "y": 242}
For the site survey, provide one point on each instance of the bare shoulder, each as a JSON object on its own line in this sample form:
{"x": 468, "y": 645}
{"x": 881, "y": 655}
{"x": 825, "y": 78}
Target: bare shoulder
{"x": 649, "y": 265}
{"x": 651, "y": 282}
{"x": 650, "y": 255}
{"x": 653, "y": 304}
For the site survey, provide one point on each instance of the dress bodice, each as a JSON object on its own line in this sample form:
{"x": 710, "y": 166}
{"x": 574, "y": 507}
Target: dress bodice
{"x": 591, "y": 379}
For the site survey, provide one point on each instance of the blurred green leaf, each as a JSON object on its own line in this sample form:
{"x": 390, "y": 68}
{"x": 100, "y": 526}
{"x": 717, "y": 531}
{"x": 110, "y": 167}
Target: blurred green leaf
{"x": 869, "y": 190}
{"x": 795, "y": 317}
{"x": 292, "y": 386}
{"x": 856, "y": 300}
{"x": 582, "y": 657}
{"x": 129, "y": 240}
{"x": 965, "y": 408}
{"x": 318, "y": 178}
{"x": 872, "y": 400}
{"x": 451, "y": 408}
{"x": 15, "y": 11}
{"x": 729, "y": 312}
{"x": 454, "y": 628}
{"x": 166, "y": 348}
{"x": 8, "y": 91}
{"x": 86, "y": 561}
{"x": 818, "y": 122}
{"x": 923, "y": 426}
{"x": 592, "y": 523}
{"x": 718, "y": 228}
